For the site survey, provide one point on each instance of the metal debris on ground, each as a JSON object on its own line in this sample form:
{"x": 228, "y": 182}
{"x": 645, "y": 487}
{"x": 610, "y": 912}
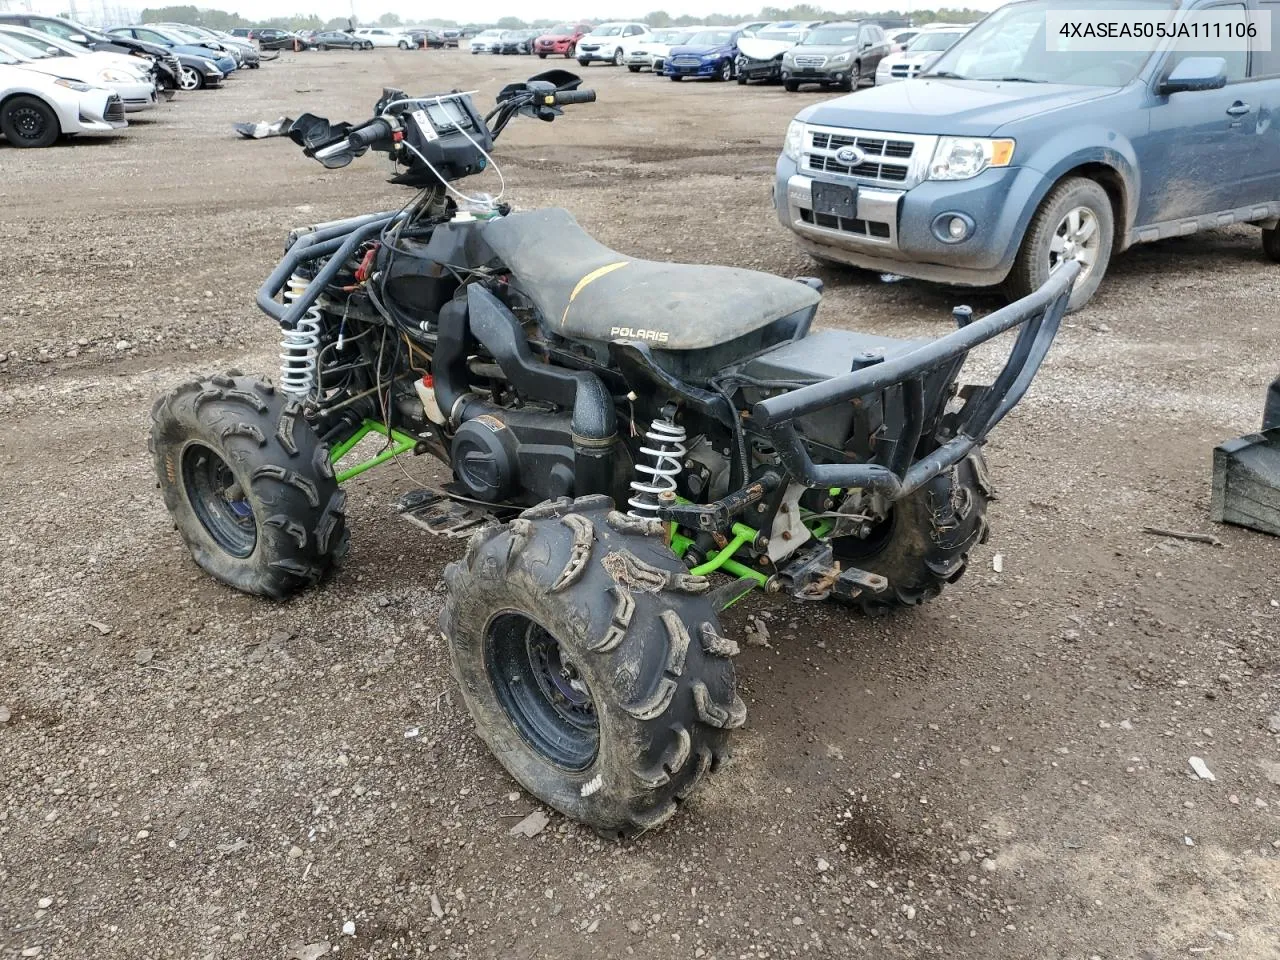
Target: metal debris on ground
{"x": 1184, "y": 535}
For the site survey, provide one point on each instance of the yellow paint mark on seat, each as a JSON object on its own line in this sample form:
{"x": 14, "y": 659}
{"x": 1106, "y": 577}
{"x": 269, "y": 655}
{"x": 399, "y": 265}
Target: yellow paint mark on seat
{"x": 595, "y": 274}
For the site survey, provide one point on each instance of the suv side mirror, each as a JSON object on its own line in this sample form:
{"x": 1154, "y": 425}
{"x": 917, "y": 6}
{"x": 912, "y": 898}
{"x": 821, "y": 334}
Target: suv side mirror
{"x": 1196, "y": 73}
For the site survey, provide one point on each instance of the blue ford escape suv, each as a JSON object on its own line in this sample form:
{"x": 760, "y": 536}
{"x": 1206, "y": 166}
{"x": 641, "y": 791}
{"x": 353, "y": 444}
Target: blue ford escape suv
{"x": 1005, "y": 160}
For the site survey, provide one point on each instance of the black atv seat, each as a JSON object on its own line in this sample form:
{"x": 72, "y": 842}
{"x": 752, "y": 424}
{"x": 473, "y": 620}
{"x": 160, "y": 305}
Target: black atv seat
{"x": 586, "y": 291}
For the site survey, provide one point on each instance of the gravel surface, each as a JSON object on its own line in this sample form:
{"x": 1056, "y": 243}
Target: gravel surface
{"x": 1005, "y": 773}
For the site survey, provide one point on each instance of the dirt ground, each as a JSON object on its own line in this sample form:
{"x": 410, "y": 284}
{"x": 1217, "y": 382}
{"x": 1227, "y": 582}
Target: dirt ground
{"x": 188, "y": 772}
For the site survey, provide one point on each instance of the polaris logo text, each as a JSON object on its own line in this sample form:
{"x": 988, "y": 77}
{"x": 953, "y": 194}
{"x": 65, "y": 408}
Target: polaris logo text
{"x": 626, "y": 333}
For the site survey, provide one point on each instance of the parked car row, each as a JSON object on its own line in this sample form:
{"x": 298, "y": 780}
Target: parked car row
{"x": 837, "y": 54}
{"x": 61, "y": 78}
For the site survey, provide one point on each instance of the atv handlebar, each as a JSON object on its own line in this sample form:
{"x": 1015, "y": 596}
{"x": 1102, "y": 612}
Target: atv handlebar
{"x": 365, "y": 135}
{"x": 1039, "y": 316}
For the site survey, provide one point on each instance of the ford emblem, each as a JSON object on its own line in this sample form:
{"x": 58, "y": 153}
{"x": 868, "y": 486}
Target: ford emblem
{"x": 850, "y": 156}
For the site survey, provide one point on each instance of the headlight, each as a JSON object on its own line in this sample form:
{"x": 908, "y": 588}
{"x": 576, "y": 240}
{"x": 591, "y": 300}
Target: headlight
{"x": 788, "y": 57}
{"x": 960, "y": 158}
{"x": 116, "y": 76}
{"x": 75, "y": 85}
{"x": 209, "y": 66}
{"x": 840, "y": 58}
{"x": 794, "y": 141}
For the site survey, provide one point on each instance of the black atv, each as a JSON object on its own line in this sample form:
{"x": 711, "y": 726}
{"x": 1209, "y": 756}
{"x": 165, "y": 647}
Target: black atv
{"x": 617, "y": 431}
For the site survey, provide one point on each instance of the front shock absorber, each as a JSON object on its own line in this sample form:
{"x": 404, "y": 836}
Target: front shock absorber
{"x": 664, "y": 446}
{"x": 299, "y": 347}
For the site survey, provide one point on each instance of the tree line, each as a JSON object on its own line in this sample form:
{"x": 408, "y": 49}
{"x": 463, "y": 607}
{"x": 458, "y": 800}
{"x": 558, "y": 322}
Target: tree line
{"x": 224, "y": 20}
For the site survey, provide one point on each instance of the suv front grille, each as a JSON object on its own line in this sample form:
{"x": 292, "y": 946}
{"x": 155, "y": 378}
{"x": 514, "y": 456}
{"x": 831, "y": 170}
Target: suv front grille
{"x": 897, "y": 159}
{"x": 810, "y": 63}
{"x": 863, "y": 228}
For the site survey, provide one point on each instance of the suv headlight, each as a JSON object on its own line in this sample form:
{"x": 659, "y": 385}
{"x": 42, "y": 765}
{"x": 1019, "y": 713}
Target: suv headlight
{"x": 840, "y": 58}
{"x": 788, "y": 57}
{"x": 794, "y": 141}
{"x": 960, "y": 158}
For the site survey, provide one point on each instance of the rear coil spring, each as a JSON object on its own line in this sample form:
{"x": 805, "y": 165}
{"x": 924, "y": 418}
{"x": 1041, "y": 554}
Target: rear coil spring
{"x": 664, "y": 446}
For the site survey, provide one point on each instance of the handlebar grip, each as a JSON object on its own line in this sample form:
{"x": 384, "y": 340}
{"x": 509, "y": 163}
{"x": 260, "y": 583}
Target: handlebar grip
{"x": 368, "y": 134}
{"x": 567, "y": 97}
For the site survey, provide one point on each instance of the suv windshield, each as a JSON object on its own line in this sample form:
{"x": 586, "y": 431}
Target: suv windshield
{"x": 710, "y": 38}
{"x": 1011, "y": 45}
{"x": 832, "y": 35}
{"x": 934, "y": 40}
{"x": 22, "y": 48}
{"x": 607, "y": 31}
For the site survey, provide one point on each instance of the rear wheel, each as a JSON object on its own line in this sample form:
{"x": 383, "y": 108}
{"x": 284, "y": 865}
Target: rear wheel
{"x": 1271, "y": 243}
{"x": 584, "y": 63}
{"x": 924, "y": 543}
{"x": 402, "y": 45}
{"x": 28, "y": 121}
{"x": 591, "y": 662}
{"x": 249, "y": 485}
{"x": 322, "y": 47}
{"x": 1073, "y": 223}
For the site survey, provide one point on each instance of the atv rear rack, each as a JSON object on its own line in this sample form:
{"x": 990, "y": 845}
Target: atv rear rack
{"x": 1039, "y": 316}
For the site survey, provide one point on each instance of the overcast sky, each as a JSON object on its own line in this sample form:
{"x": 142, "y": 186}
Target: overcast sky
{"x": 487, "y": 10}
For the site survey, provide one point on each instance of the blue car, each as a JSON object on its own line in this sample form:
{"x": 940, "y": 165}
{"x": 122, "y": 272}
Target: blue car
{"x": 710, "y": 54}
{"x": 1016, "y": 152}
{"x": 225, "y": 63}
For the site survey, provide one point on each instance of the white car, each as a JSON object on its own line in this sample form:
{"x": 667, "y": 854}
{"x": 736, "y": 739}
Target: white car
{"x": 382, "y": 37}
{"x": 57, "y": 46}
{"x": 898, "y": 39}
{"x": 35, "y": 108}
{"x": 652, "y": 53}
{"x": 610, "y": 42}
{"x": 131, "y": 88}
{"x": 921, "y": 54}
{"x": 486, "y": 41}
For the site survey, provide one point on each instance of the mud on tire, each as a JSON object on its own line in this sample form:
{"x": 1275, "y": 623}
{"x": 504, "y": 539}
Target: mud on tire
{"x": 924, "y": 544}
{"x": 249, "y": 484}
{"x": 600, "y": 599}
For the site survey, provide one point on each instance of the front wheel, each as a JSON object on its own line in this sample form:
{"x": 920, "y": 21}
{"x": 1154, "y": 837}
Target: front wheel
{"x": 368, "y": 46}
{"x": 249, "y": 484}
{"x": 322, "y": 47}
{"x": 676, "y": 77}
{"x": 190, "y": 79}
{"x": 570, "y": 52}
{"x": 633, "y": 69}
{"x": 28, "y": 121}
{"x": 725, "y": 71}
{"x": 1074, "y": 222}
{"x": 742, "y": 81}
{"x": 924, "y": 542}
{"x": 790, "y": 86}
{"x": 542, "y": 56}
{"x": 403, "y": 45}
{"x": 584, "y": 63}
{"x": 591, "y": 662}
{"x": 617, "y": 57}
{"x": 1271, "y": 243}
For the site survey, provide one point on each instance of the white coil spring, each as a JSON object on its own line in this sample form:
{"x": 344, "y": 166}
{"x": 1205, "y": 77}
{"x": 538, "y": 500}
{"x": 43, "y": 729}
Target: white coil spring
{"x": 666, "y": 449}
{"x": 300, "y": 346}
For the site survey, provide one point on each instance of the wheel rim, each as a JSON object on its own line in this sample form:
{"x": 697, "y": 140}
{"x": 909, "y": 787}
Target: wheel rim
{"x": 617, "y": 58}
{"x": 28, "y": 122}
{"x": 218, "y": 500}
{"x": 189, "y": 79}
{"x": 1077, "y": 237}
{"x": 541, "y": 691}
{"x": 726, "y": 70}
{"x": 568, "y": 54}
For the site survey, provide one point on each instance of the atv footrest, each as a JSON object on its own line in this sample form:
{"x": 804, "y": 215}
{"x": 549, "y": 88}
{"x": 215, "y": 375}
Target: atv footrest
{"x": 1246, "y": 482}
{"x": 437, "y": 514}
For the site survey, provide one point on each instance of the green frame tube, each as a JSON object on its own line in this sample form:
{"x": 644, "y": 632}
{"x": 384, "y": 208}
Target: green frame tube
{"x": 400, "y": 443}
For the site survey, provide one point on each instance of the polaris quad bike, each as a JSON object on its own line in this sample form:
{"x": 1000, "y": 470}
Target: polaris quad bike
{"x": 617, "y": 430}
